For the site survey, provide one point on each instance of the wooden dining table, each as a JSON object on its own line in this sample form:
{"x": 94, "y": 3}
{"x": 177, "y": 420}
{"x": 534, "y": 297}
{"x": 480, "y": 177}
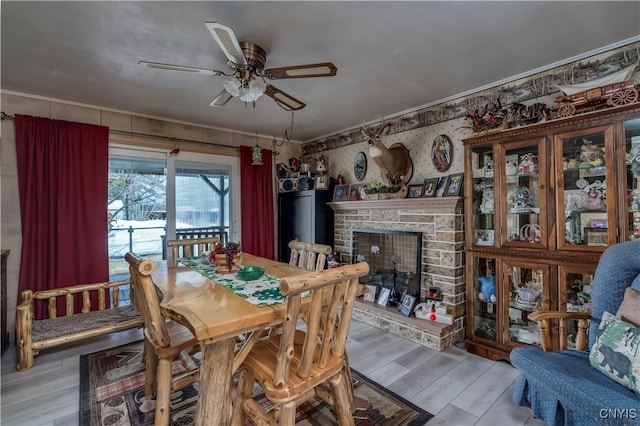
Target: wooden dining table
{"x": 216, "y": 316}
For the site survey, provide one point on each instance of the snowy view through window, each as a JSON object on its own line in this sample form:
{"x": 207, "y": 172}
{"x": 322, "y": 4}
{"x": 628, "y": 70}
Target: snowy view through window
{"x": 146, "y": 238}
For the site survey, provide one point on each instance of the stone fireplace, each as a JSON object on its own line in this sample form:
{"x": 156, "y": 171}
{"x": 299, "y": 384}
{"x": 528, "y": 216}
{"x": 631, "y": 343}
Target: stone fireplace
{"x": 439, "y": 260}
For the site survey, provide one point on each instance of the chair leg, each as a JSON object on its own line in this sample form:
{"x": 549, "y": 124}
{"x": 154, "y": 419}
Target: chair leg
{"x": 163, "y": 392}
{"x": 151, "y": 371}
{"x": 243, "y": 392}
{"x": 342, "y": 405}
{"x": 288, "y": 413}
{"x": 347, "y": 375}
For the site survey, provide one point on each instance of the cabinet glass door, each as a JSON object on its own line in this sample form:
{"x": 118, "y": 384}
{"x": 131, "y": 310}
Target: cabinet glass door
{"x": 527, "y": 292}
{"x": 523, "y": 194}
{"x": 574, "y": 288}
{"x": 485, "y": 319}
{"x": 585, "y": 171}
{"x": 482, "y": 221}
{"x": 632, "y": 145}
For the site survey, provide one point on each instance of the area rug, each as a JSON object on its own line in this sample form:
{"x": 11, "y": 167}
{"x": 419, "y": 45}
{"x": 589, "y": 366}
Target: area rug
{"x": 112, "y": 393}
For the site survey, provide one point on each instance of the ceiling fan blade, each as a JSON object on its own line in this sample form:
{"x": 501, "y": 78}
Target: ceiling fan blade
{"x": 172, "y": 67}
{"x": 325, "y": 69}
{"x": 284, "y": 100}
{"x": 228, "y": 42}
{"x": 222, "y": 98}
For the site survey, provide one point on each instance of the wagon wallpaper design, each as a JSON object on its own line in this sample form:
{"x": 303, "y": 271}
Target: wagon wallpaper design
{"x": 538, "y": 85}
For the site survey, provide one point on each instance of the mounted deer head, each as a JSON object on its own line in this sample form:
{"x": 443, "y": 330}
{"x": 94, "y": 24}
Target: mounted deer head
{"x": 394, "y": 162}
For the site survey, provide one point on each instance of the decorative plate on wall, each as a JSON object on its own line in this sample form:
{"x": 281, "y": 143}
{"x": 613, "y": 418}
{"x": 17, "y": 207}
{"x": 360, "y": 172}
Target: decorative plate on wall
{"x": 442, "y": 153}
{"x": 360, "y": 166}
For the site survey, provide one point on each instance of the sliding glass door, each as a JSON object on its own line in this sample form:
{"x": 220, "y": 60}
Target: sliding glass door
{"x": 153, "y": 195}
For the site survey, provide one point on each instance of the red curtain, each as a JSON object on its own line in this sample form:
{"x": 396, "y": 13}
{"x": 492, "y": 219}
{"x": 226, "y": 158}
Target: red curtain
{"x": 258, "y": 236}
{"x": 62, "y": 180}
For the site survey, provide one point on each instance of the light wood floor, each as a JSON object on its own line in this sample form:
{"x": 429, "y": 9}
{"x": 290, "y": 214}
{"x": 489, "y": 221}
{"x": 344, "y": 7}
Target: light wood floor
{"x": 457, "y": 387}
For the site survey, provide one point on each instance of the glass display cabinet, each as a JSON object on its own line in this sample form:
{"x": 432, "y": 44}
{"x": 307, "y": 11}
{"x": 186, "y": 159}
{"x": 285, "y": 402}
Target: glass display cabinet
{"x": 523, "y": 195}
{"x": 528, "y": 285}
{"x": 632, "y": 162}
{"x": 585, "y": 177}
{"x": 543, "y": 202}
{"x": 484, "y": 321}
{"x": 575, "y": 288}
{"x": 483, "y": 196}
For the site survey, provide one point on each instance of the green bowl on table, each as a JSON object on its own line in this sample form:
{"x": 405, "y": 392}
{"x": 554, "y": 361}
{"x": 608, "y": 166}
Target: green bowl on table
{"x": 250, "y": 273}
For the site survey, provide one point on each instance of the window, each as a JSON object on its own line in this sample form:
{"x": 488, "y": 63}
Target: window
{"x": 151, "y": 194}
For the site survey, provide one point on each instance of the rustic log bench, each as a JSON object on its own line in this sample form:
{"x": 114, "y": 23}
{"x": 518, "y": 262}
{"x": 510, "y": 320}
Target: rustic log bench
{"x": 35, "y": 335}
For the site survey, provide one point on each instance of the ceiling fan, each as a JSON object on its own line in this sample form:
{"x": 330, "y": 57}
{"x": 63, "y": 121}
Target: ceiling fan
{"x": 247, "y": 61}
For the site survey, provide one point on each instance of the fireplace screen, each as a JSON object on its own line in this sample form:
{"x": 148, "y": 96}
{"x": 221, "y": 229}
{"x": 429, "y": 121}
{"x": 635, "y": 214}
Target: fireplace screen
{"x": 393, "y": 257}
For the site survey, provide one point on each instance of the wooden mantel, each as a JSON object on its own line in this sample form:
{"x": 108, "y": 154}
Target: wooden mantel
{"x": 435, "y": 203}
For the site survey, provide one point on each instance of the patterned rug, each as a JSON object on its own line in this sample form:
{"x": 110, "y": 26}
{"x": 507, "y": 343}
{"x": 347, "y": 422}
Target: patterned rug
{"x": 112, "y": 393}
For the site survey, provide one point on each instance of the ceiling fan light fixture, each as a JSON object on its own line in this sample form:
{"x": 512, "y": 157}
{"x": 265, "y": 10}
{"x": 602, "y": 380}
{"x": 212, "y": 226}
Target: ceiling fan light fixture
{"x": 247, "y": 96}
{"x": 257, "y": 87}
{"x": 247, "y": 80}
{"x": 232, "y": 87}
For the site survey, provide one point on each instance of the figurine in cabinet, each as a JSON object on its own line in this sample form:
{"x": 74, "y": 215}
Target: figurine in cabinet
{"x": 528, "y": 164}
{"x": 522, "y": 198}
{"x": 591, "y": 155}
{"x": 486, "y": 206}
{"x": 487, "y": 289}
{"x": 634, "y": 201}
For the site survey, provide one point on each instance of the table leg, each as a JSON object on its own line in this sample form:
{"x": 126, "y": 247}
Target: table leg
{"x": 214, "y": 401}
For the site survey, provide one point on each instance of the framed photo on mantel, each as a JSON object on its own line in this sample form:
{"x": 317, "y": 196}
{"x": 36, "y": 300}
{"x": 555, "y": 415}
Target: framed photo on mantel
{"x": 341, "y": 193}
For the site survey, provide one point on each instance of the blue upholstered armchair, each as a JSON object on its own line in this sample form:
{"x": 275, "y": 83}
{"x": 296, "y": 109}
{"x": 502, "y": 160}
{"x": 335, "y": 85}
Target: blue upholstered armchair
{"x": 562, "y": 388}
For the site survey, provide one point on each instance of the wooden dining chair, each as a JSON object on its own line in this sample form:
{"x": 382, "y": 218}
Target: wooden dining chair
{"x": 309, "y": 256}
{"x": 189, "y": 247}
{"x": 291, "y": 366}
{"x": 312, "y": 256}
{"x": 165, "y": 341}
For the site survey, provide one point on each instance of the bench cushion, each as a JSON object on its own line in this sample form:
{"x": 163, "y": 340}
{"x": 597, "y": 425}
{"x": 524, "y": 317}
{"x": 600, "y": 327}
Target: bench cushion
{"x": 68, "y": 325}
{"x": 563, "y": 388}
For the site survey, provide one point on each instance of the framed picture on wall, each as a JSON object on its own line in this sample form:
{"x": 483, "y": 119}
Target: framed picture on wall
{"x": 442, "y": 153}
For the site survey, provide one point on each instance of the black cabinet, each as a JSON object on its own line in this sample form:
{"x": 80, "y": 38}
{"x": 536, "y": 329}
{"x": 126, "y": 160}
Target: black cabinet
{"x": 305, "y": 216}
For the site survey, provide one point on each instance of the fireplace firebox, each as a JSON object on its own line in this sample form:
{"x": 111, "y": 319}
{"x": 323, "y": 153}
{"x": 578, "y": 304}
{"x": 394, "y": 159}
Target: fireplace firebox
{"x": 393, "y": 257}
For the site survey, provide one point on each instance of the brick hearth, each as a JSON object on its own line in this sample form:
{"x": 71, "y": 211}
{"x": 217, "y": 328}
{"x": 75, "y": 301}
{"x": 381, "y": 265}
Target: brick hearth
{"x": 441, "y": 222}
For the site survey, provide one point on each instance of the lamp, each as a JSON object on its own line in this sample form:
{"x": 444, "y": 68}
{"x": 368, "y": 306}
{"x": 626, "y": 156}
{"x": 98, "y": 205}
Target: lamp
{"x": 256, "y": 152}
{"x": 246, "y": 86}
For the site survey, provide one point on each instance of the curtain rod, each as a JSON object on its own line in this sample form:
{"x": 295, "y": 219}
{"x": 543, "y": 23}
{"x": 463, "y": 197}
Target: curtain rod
{"x": 170, "y": 139}
{"x": 5, "y": 116}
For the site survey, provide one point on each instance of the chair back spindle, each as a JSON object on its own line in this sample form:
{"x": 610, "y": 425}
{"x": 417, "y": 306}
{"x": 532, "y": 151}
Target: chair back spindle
{"x": 190, "y": 247}
{"x": 309, "y": 256}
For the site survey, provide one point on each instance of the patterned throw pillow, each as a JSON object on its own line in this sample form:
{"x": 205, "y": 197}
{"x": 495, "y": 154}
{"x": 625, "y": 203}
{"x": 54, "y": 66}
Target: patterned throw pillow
{"x": 616, "y": 352}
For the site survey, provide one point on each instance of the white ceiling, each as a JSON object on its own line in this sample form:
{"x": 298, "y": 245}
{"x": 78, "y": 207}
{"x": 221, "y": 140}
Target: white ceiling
{"x": 391, "y": 56}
